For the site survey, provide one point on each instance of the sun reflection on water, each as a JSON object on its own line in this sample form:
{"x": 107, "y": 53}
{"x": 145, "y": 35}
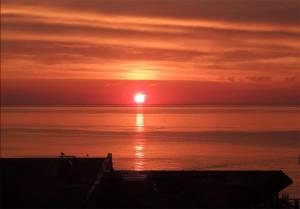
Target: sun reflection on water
{"x": 139, "y": 145}
{"x": 139, "y": 122}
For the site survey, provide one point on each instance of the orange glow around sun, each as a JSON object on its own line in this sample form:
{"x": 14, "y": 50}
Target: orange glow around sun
{"x": 139, "y": 98}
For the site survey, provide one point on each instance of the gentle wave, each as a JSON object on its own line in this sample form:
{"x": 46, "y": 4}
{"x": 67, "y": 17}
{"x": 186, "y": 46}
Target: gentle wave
{"x": 155, "y": 110}
{"x": 223, "y": 134}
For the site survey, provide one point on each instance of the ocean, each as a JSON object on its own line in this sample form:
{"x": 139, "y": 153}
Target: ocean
{"x": 161, "y": 138}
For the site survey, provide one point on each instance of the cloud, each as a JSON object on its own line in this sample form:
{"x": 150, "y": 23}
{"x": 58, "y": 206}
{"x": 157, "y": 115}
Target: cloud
{"x": 180, "y": 40}
{"x": 245, "y": 11}
{"x": 259, "y": 79}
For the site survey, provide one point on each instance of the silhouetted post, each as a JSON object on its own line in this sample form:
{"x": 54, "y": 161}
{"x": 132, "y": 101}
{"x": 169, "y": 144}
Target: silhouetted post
{"x": 109, "y": 157}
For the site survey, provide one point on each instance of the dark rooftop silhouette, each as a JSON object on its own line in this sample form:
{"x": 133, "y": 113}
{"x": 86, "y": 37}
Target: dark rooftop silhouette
{"x": 92, "y": 182}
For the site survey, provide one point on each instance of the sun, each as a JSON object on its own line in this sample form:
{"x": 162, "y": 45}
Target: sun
{"x": 139, "y": 98}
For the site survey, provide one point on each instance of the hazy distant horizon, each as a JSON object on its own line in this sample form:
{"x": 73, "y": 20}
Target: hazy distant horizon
{"x": 49, "y": 92}
{"x": 150, "y": 105}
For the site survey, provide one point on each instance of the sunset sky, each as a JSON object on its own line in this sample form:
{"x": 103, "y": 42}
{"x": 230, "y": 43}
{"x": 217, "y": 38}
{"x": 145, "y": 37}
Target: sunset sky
{"x": 176, "y": 52}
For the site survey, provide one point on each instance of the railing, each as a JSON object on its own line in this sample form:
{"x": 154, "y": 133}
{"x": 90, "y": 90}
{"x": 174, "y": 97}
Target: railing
{"x": 294, "y": 203}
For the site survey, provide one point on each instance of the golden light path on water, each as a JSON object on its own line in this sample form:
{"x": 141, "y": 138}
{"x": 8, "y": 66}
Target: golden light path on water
{"x": 139, "y": 144}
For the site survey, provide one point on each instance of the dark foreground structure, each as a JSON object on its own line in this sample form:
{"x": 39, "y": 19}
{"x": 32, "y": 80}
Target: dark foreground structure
{"x": 93, "y": 183}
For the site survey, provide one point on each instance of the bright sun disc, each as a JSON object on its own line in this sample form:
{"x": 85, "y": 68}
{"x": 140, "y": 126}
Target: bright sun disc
{"x": 139, "y": 98}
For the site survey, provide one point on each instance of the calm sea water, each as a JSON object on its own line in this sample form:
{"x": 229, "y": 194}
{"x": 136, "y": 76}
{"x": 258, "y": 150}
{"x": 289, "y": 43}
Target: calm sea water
{"x": 151, "y": 138}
